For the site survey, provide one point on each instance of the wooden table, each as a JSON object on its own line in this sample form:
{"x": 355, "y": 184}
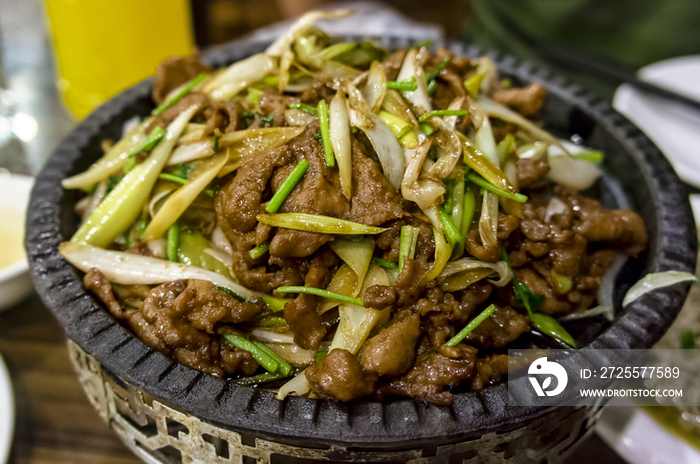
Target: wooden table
{"x": 55, "y": 422}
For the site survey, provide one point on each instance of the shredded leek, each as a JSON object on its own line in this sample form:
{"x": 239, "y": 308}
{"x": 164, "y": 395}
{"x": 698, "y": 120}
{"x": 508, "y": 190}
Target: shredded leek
{"x": 451, "y": 231}
{"x": 318, "y": 223}
{"x": 430, "y": 114}
{"x": 473, "y": 324}
{"x": 284, "y": 367}
{"x": 264, "y": 359}
{"x": 325, "y": 133}
{"x": 429, "y": 76}
{"x": 187, "y": 88}
{"x": 287, "y": 186}
{"x": 320, "y": 292}
{"x": 480, "y": 181}
{"x": 405, "y": 85}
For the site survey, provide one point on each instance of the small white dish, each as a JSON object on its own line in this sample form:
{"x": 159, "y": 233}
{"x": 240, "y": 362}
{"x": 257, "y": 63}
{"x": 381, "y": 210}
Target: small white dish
{"x": 7, "y": 413}
{"x": 674, "y": 127}
{"x": 15, "y": 282}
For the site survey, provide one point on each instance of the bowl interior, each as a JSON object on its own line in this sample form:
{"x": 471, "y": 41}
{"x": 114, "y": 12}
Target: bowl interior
{"x": 637, "y": 176}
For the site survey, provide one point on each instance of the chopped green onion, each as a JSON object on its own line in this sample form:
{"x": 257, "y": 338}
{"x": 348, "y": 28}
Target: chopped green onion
{"x": 268, "y": 120}
{"x": 451, "y": 231}
{"x": 272, "y": 321}
{"x": 408, "y": 85}
{"x": 175, "y": 98}
{"x": 172, "y": 178}
{"x": 425, "y": 128}
{"x": 265, "y": 360}
{"x": 687, "y": 340}
{"x": 318, "y": 223}
{"x": 287, "y": 186}
{"x": 320, "y": 355}
{"x": 232, "y": 293}
{"x": 430, "y": 114}
{"x": 127, "y": 239}
{"x": 432, "y": 87}
{"x": 386, "y": 264}
{"x": 248, "y": 114}
{"x": 591, "y": 156}
{"x": 253, "y": 97}
{"x": 473, "y": 324}
{"x": 141, "y": 228}
{"x": 480, "y": 181}
{"x": 259, "y": 251}
{"x": 259, "y": 379}
{"x": 407, "y": 244}
{"x": 284, "y": 368}
{"x": 112, "y": 182}
{"x": 173, "y": 244}
{"x": 449, "y": 202}
{"x": 318, "y": 135}
{"x": 550, "y": 326}
{"x": 404, "y": 132}
{"x": 326, "y": 133}
{"x": 430, "y": 76}
{"x": 216, "y": 143}
{"x": 305, "y": 108}
{"x": 321, "y": 292}
{"x": 275, "y": 304}
{"x": 182, "y": 170}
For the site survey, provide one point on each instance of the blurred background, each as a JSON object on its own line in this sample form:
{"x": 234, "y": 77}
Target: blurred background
{"x": 59, "y": 59}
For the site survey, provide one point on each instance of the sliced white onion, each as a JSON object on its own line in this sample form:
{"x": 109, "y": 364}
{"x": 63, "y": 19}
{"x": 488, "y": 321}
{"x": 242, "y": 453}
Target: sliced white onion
{"x": 452, "y": 147}
{"x": 488, "y": 222}
{"x": 554, "y": 208}
{"x": 572, "y": 173}
{"x": 240, "y": 75}
{"x": 293, "y": 354}
{"x": 158, "y": 248}
{"x": 220, "y": 256}
{"x": 654, "y": 281}
{"x": 487, "y": 67}
{"x": 297, "y": 117}
{"x": 608, "y": 312}
{"x": 536, "y": 150}
{"x": 375, "y": 87}
{"x": 485, "y": 142}
{"x": 191, "y": 152}
{"x": 271, "y": 336}
{"x": 388, "y": 148}
{"x": 298, "y": 386}
{"x": 341, "y": 141}
{"x": 129, "y": 269}
{"x": 471, "y": 264}
{"x": 220, "y": 242}
{"x": 411, "y": 68}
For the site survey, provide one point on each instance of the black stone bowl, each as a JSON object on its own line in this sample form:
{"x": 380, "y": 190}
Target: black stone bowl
{"x": 638, "y": 173}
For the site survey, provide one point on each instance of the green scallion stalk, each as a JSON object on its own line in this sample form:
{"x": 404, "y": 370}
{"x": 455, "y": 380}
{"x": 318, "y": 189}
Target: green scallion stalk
{"x": 430, "y": 114}
{"x": 259, "y": 251}
{"x": 272, "y": 321}
{"x": 486, "y": 185}
{"x": 275, "y": 304}
{"x": 285, "y": 368}
{"x": 265, "y": 360}
{"x": 172, "y": 178}
{"x": 430, "y": 76}
{"x": 259, "y": 379}
{"x": 173, "y": 244}
{"x": 305, "y": 108}
{"x": 320, "y": 356}
{"x": 326, "y": 133}
{"x": 407, "y": 244}
{"x": 425, "y": 128}
{"x": 141, "y": 228}
{"x": 473, "y": 324}
{"x": 235, "y": 295}
{"x": 322, "y": 293}
{"x": 451, "y": 231}
{"x": 404, "y": 132}
{"x": 287, "y": 186}
{"x": 187, "y": 88}
{"x": 432, "y": 87}
{"x": 386, "y": 264}
{"x": 449, "y": 201}
{"x": 408, "y": 85}
{"x": 127, "y": 239}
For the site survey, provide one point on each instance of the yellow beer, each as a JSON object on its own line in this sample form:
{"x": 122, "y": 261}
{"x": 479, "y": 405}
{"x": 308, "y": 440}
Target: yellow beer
{"x": 104, "y": 46}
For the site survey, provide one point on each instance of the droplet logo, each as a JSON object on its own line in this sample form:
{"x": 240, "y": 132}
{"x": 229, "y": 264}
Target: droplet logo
{"x": 543, "y": 367}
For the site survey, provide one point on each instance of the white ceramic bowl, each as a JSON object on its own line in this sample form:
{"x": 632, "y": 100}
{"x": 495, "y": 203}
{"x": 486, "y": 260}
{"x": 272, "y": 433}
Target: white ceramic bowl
{"x": 15, "y": 283}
